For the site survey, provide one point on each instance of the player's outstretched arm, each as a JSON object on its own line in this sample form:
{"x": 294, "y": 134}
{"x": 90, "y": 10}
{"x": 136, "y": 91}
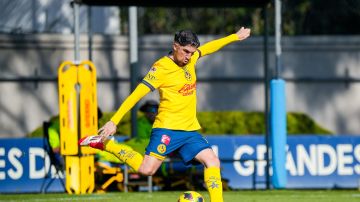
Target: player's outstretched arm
{"x": 216, "y": 45}
{"x": 110, "y": 127}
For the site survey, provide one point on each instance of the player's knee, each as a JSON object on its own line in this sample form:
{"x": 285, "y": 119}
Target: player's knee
{"x": 212, "y": 162}
{"x": 216, "y": 162}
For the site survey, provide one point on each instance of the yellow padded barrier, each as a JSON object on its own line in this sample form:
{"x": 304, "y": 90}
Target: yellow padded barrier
{"x": 68, "y": 108}
{"x": 80, "y": 174}
{"x": 77, "y": 105}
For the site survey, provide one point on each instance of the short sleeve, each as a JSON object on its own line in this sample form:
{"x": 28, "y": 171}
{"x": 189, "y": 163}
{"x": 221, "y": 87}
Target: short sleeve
{"x": 155, "y": 77}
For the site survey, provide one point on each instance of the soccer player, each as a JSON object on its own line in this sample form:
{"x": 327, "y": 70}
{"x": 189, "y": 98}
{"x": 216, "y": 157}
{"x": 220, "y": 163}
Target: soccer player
{"x": 175, "y": 127}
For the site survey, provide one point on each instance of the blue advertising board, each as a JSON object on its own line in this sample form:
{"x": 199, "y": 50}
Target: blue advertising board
{"x": 25, "y": 167}
{"x": 311, "y": 162}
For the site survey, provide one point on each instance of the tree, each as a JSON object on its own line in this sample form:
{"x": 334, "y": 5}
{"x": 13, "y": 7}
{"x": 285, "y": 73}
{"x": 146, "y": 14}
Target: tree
{"x": 300, "y": 17}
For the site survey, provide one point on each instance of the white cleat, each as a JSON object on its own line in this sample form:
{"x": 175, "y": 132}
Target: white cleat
{"x": 92, "y": 141}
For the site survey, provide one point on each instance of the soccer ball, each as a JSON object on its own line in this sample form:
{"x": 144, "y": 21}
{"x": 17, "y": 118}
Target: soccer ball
{"x": 191, "y": 196}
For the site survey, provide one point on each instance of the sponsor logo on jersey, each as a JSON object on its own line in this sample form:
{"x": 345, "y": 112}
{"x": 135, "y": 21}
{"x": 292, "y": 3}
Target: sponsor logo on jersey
{"x": 165, "y": 139}
{"x": 150, "y": 77}
{"x": 161, "y": 148}
{"x": 188, "y": 89}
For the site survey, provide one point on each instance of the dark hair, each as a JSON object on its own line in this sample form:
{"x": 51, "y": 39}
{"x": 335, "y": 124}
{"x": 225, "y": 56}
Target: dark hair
{"x": 186, "y": 37}
{"x": 149, "y": 106}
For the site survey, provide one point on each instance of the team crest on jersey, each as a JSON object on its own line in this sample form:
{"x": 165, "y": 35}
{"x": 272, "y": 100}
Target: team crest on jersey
{"x": 165, "y": 139}
{"x": 161, "y": 148}
{"x": 187, "y": 75}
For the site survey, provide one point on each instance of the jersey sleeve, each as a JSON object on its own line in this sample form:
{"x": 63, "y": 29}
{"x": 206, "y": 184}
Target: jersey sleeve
{"x": 139, "y": 92}
{"x": 155, "y": 77}
{"x": 216, "y": 45}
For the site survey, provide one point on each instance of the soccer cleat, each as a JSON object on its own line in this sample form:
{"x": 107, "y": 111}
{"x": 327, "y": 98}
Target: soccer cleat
{"x": 92, "y": 141}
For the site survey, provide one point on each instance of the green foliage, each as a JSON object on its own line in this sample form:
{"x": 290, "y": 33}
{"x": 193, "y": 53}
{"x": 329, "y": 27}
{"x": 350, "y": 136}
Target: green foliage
{"x": 300, "y": 123}
{"x": 231, "y": 122}
{"x": 317, "y": 17}
{"x": 226, "y": 122}
{"x": 201, "y": 20}
{"x": 234, "y": 122}
{"x": 124, "y": 128}
{"x": 299, "y": 17}
{"x": 38, "y": 132}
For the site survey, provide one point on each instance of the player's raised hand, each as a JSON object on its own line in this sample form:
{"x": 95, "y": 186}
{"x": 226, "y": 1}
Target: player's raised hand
{"x": 108, "y": 129}
{"x": 243, "y": 33}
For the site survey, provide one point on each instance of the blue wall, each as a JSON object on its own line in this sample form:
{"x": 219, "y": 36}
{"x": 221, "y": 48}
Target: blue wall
{"x": 311, "y": 162}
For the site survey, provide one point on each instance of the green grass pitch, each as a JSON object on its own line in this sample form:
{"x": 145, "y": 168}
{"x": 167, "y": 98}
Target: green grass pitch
{"x": 229, "y": 196}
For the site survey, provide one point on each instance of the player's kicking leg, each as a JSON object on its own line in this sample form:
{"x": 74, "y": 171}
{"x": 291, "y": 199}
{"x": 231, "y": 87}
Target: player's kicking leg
{"x": 125, "y": 153}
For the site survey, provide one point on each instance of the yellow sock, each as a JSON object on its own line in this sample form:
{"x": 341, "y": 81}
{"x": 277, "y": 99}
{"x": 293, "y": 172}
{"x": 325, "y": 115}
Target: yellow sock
{"x": 124, "y": 153}
{"x": 213, "y": 183}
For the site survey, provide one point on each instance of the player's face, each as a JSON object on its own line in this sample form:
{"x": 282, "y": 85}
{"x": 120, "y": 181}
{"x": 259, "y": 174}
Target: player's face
{"x": 182, "y": 54}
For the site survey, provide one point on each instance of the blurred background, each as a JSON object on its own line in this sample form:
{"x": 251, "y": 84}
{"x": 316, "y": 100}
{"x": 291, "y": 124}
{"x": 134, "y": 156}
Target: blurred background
{"x": 320, "y": 64}
{"x": 320, "y": 57}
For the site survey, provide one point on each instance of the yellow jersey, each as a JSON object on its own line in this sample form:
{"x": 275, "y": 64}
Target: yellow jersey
{"x": 177, "y": 88}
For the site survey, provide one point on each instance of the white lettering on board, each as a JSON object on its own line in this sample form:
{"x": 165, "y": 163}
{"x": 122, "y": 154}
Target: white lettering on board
{"x": 2, "y": 164}
{"x": 16, "y": 172}
{"x": 41, "y": 172}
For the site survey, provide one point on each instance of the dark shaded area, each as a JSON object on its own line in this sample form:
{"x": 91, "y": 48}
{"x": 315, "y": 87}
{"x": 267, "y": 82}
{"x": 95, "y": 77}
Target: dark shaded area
{"x": 299, "y": 17}
{"x": 183, "y": 3}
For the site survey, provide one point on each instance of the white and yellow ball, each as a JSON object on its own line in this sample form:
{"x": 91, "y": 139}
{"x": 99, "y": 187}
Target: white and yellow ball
{"x": 191, "y": 196}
